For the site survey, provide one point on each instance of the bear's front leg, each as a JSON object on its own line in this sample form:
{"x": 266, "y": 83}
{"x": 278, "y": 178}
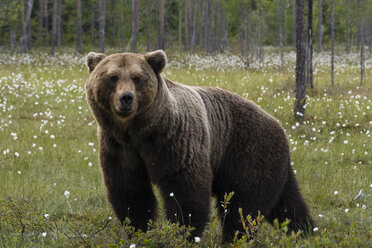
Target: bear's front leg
{"x": 129, "y": 190}
{"x": 187, "y": 199}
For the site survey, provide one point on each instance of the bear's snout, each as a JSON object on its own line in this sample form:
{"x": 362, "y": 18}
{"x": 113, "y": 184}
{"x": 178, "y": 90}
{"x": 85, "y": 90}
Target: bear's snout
{"x": 126, "y": 100}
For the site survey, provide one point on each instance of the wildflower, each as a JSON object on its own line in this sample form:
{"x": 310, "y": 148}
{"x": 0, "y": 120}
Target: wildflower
{"x": 67, "y": 194}
{"x": 171, "y": 194}
{"x": 16, "y": 154}
{"x": 364, "y": 206}
{"x": 315, "y": 229}
{"x": 44, "y": 234}
{"x": 132, "y": 246}
{"x": 46, "y": 216}
{"x": 346, "y": 210}
{"x": 197, "y": 239}
{"x": 321, "y": 216}
{"x": 335, "y": 193}
{"x": 52, "y": 136}
{"x": 90, "y": 164}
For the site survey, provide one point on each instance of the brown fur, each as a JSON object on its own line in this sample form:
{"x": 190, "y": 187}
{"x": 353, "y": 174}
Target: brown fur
{"x": 190, "y": 141}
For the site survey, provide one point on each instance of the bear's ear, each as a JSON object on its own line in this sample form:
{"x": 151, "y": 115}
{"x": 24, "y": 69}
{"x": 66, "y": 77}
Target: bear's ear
{"x": 93, "y": 59}
{"x": 157, "y": 60}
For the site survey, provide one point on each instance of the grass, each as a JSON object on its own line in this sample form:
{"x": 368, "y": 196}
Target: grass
{"x": 51, "y": 190}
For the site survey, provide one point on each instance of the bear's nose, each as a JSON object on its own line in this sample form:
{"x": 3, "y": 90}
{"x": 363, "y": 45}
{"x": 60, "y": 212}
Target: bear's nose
{"x": 126, "y": 99}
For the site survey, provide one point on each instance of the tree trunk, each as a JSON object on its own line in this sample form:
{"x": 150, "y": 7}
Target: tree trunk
{"x": 30, "y": 4}
{"x": 46, "y": 22}
{"x": 59, "y": 23}
{"x": 93, "y": 22}
{"x": 347, "y": 21}
{"x": 215, "y": 28}
{"x": 299, "y": 110}
{"x": 161, "y": 33}
{"x": 309, "y": 79}
{"x": 54, "y": 26}
{"x": 223, "y": 43}
{"x": 122, "y": 23}
{"x": 332, "y": 20}
{"x": 362, "y": 39}
{"x": 187, "y": 18}
{"x": 78, "y": 28}
{"x": 357, "y": 36}
{"x": 134, "y": 25}
{"x": 180, "y": 26}
{"x": 24, "y": 29}
{"x": 148, "y": 27}
{"x": 40, "y": 15}
{"x": 207, "y": 26}
{"x": 26, "y": 25}
{"x": 194, "y": 26}
{"x": 320, "y": 27}
{"x": 101, "y": 25}
{"x": 294, "y": 23}
{"x": 281, "y": 28}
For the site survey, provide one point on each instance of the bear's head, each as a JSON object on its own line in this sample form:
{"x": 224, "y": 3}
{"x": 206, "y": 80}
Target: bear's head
{"x": 123, "y": 84}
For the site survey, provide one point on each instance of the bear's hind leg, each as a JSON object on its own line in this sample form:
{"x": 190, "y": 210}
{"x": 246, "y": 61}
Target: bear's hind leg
{"x": 292, "y": 206}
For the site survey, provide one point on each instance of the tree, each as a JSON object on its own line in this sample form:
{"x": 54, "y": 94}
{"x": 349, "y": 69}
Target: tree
{"x": 161, "y": 27}
{"x": 78, "y": 28}
{"x": 122, "y": 34}
{"x": 294, "y": 23}
{"x": 332, "y": 24}
{"x": 281, "y": 30}
{"x": 26, "y": 42}
{"x": 309, "y": 74}
{"x": 101, "y": 25}
{"x": 320, "y": 27}
{"x": 134, "y": 25}
{"x": 362, "y": 39}
{"x": 54, "y": 26}
{"x": 180, "y": 26}
{"x": 46, "y": 22}
{"x": 347, "y": 22}
{"x": 59, "y": 23}
{"x": 299, "y": 110}
{"x": 207, "y": 16}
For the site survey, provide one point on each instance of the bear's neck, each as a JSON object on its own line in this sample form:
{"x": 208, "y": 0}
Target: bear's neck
{"x": 160, "y": 116}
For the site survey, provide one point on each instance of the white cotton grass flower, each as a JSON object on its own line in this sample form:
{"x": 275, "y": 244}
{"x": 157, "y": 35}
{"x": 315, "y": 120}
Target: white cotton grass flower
{"x": 44, "y": 234}
{"x": 335, "y": 193}
{"x": 315, "y": 229}
{"x": 197, "y": 239}
{"x": 46, "y": 216}
{"x": 364, "y": 207}
{"x": 67, "y": 194}
{"x": 132, "y": 246}
{"x": 346, "y": 210}
{"x": 171, "y": 194}
{"x": 321, "y": 215}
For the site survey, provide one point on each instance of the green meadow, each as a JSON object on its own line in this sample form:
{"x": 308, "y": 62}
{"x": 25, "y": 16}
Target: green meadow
{"x": 51, "y": 187}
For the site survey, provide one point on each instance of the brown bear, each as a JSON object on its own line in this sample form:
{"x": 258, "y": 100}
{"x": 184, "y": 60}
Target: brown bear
{"x": 193, "y": 142}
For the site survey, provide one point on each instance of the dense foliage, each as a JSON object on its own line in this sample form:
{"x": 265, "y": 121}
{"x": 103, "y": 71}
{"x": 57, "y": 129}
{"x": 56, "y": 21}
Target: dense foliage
{"x": 227, "y": 21}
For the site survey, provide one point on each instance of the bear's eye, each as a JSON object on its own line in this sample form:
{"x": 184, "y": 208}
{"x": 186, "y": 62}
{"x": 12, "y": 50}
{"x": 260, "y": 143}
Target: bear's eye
{"x": 114, "y": 79}
{"x": 136, "y": 80}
